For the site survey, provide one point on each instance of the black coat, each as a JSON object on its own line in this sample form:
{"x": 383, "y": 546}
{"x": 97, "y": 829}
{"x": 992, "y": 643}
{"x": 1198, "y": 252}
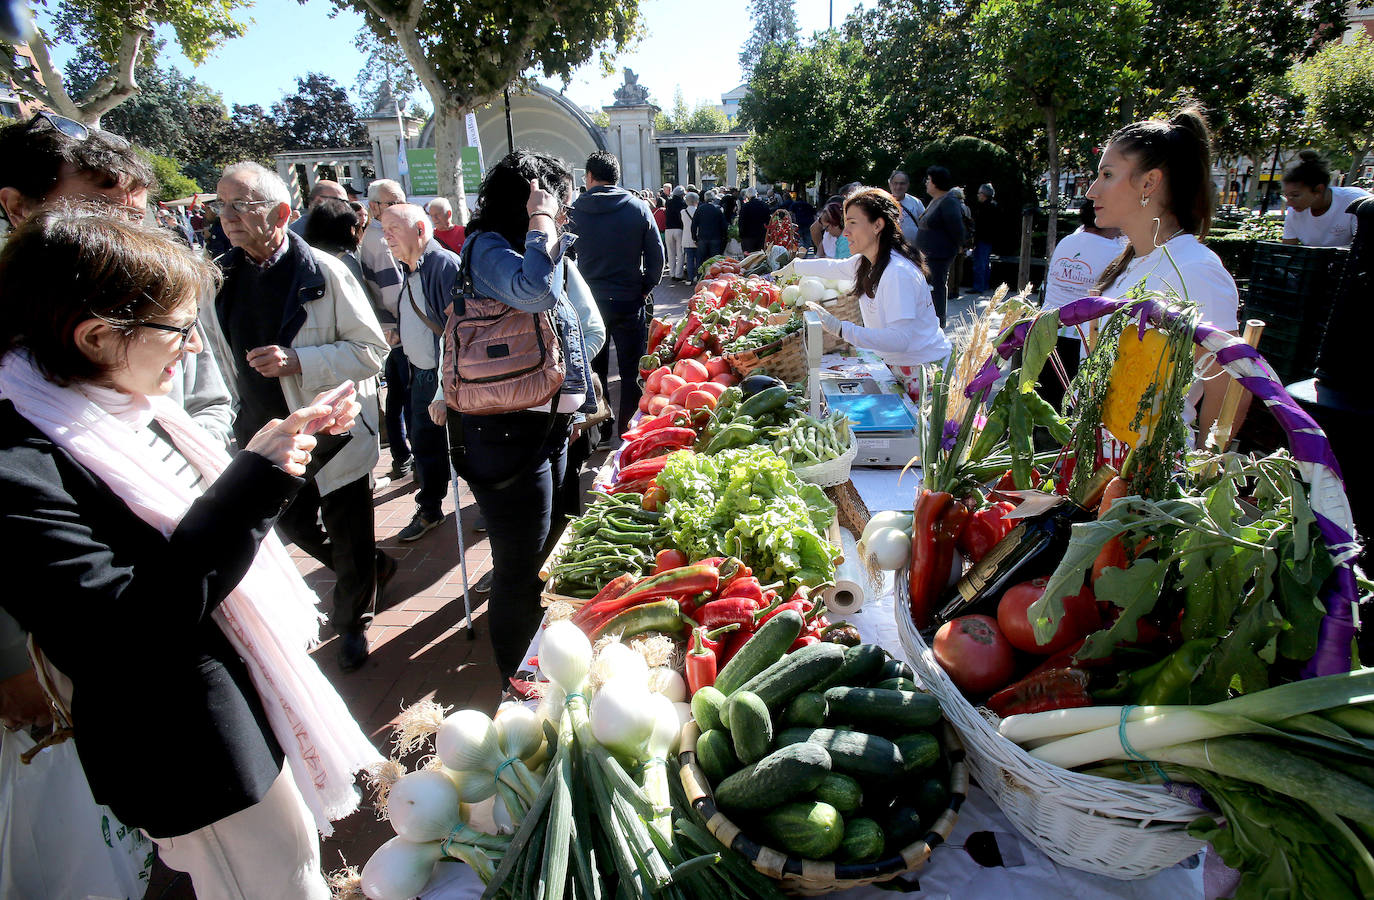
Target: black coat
{"x": 753, "y": 224}
{"x": 708, "y": 224}
{"x": 169, "y": 728}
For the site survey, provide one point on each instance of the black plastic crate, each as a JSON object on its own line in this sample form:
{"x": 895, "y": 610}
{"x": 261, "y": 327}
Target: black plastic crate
{"x": 1291, "y": 358}
{"x": 1295, "y": 270}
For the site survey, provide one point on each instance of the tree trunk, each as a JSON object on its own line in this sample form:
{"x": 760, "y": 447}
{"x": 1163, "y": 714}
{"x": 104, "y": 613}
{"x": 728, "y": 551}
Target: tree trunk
{"x": 448, "y": 123}
{"x": 1358, "y": 158}
{"x": 1050, "y": 234}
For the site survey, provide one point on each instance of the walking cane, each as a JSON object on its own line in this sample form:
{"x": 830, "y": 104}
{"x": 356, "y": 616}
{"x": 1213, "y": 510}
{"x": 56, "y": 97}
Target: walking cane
{"x": 462, "y": 552}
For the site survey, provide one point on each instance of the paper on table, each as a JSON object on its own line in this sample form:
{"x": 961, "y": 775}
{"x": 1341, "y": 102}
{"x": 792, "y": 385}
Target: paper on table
{"x": 852, "y": 584}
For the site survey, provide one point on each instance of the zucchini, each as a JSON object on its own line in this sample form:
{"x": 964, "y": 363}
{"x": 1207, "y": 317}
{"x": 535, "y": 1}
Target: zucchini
{"x": 715, "y": 755}
{"x": 794, "y": 673}
{"x": 811, "y": 830}
{"x": 891, "y": 711}
{"x": 861, "y": 664}
{"x": 895, "y": 668}
{"x": 751, "y": 727}
{"x": 778, "y": 777}
{"x": 903, "y": 827}
{"x": 919, "y": 751}
{"x": 765, "y": 648}
{"x": 765, "y": 401}
{"x": 897, "y": 684}
{"x": 851, "y": 752}
{"x": 707, "y": 704}
{"x": 807, "y": 708}
{"x": 863, "y": 841}
{"x": 841, "y": 792}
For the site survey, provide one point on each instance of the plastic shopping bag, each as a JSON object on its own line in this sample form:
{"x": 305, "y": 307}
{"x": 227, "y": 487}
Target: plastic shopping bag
{"x": 55, "y": 840}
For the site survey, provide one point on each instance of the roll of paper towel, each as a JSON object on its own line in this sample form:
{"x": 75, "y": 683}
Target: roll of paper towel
{"x": 852, "y": 584}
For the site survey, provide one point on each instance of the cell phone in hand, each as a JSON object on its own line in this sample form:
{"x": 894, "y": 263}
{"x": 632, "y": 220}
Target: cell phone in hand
{"x": 337, "y": 400}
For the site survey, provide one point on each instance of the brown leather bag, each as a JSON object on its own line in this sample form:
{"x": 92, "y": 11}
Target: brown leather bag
{"x": 496, "y": 358}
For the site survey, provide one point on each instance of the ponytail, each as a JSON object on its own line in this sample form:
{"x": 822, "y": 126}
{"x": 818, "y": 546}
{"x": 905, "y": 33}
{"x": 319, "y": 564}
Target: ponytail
{"x": 1181, "y": 148}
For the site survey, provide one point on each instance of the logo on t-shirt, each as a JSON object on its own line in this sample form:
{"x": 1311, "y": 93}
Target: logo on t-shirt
{"x": 1073, "y": 271}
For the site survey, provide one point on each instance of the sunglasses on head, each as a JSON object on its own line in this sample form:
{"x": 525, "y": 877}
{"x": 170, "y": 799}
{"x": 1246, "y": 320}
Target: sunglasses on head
{"x": 72, "y": 128}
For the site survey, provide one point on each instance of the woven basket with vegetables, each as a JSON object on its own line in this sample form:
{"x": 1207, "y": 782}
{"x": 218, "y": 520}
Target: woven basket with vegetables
{"x": 776, "y": 350}
{"x": 1251, "y": 596}
{"x": 825, "y": 768}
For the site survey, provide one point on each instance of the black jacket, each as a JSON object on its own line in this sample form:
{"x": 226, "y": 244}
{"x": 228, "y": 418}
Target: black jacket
{"x": 619, "y": 251}
{"x": 753, "y": 224}
{"x": 672, "y": 213}
{"x": 169, "y": 728}
{"x": 708, "y": 224}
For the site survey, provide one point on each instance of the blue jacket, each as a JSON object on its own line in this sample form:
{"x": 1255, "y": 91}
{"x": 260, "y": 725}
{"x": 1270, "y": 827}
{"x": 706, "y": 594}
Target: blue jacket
{"x": 439, "y": 282}
{"x": 619, "y": 251}
{"x": 533, "y": 281}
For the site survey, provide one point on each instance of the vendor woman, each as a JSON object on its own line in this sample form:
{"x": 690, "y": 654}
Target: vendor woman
{"x": 1154, "y": 183}
{"x": 900, "y": 324}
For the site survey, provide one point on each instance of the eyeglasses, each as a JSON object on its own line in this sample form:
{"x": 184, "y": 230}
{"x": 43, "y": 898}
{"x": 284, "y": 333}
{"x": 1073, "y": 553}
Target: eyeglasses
{"x": 73, "y": 129}
{"x": 243, "y": 207}
{"x": 184, "y": 330}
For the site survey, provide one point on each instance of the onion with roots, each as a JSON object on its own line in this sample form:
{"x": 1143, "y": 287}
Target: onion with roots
{"x": 424, "y": 806}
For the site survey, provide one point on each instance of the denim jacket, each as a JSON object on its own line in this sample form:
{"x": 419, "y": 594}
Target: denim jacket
{"x": 533, "y": 282}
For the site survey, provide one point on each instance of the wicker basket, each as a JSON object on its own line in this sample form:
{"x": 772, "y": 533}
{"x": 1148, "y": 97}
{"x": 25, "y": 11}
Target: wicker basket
{"x": 1096, "y": 824}
{"x": 831, "y": 472}
{"x": 853, "y": 512}
{"x": 809, "y": 877}
{"x": 846, "y": 309}
{"x": 784, "y": 359}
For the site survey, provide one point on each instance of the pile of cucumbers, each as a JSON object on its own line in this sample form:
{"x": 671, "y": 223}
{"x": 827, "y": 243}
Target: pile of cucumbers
{"x": 829, "y": 752}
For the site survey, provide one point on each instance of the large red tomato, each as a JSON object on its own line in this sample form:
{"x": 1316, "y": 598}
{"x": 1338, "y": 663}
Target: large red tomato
{"x": 1080, "y": 618}
{"x": 974, "y": 653}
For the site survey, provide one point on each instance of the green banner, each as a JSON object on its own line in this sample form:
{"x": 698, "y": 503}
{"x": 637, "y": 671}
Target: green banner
{"x": 472, "y": 172}
{"x": 424, "y": 175}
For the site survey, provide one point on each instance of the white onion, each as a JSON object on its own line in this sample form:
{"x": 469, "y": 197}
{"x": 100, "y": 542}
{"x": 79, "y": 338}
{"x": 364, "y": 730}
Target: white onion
{"x": 399, "y": 869}
{"x": 423, "y": 806}
{"x": 669, "y": 682}
{"x": 684, "y": 712}
{"x": 565, "y": 655}
{"x": 888, "y": 518}
{"x": 890, "y": 548}
{"x": 663, "y": 739}
{"x": 791, "y": 295}
{"x": 615, "y": 660}
{"x": 473, "y": 787}
{"x": 519, "y": 730}
{"x": 467, "y": 741}
{"x": 501, "y": 818}
{"x": 812, "y": 288}
{"x": 622, "y": 716}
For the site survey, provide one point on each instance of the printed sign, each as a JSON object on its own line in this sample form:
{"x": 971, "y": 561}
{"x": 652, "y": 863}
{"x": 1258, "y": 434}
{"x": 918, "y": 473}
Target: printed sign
{"x": 424, "y": 175}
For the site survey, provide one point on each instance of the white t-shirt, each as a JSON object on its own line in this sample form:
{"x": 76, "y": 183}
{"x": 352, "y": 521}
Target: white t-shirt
{"x": 1204, "y": 280}
{"x": 912, "y": 210}
{"x": 899, "y": 319}
{"x": 1333, "y": 228}
{"x": 1079, "y": 261}
{"x": 828, "y": 244}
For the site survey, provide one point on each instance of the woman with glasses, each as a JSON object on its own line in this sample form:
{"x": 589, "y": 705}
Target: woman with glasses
{"x": 171, "y": 629}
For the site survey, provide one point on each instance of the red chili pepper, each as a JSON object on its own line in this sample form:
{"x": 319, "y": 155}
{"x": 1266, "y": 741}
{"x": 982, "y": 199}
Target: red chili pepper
{"x": 701, "y": 665}
{"x": 800, "y": 607}
{"x": 635, "y": 486}
{"x": 667, "y": 420}
{"x": 939, "y": 519}
{"x": 693, "y": 322}
{"x": 614, "y": 588}
{"x": 642, "y": 468}
{"x": 658, "y": 330}
{"x": 673, "y": 437}
{"x": 1042, "y": 691}
{"x": 732, "y": 645}
{"x": 668, "y": 559}
{"x": 804, "y": 641}
{"x": 747, "y": 587}
{"x": 682, "y": 582}
{"x": 733, "y": 611}
{"x": 984, "y": 529}
{"x": 712, "y": 640}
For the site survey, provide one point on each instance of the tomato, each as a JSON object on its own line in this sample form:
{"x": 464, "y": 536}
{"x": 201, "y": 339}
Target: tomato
{"x": 715, "y": 288}
{"x": 1080, "y": 617}
{"x": 644, "y": 402}
{"x": 669, "y": 383}
{"x": 717, "y": 365}
{"x": 691, "y": 371}
{"x": 673, "y": 408}
{"x": 668, "y": 559}
{"x": 729, "y": 379}
{"x": 679, "y": 396}
{"x": 700, "y": 399}
{"x": 714, "y": 270}
{"x": 714, "y": 388}
{"x": 655, "y": 379}
{"x": 974, "y": 653}
{"x": 657, "y": 404}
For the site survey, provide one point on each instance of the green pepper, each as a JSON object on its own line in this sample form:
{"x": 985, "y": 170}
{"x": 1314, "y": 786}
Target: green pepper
{"x": 994, "y": 429}
{"x": 1170, "y": 684}
{"x": 1021, "y": 442}
{"x": 735, "y": 435}
{"x": 764, "y": 401}
{"x": 1047, "y": 417}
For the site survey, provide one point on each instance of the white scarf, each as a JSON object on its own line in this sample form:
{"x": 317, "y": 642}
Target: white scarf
{"x": 270, "y": 618}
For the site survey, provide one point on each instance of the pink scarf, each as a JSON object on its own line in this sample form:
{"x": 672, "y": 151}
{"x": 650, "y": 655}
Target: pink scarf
{"x": 270, "y": 617}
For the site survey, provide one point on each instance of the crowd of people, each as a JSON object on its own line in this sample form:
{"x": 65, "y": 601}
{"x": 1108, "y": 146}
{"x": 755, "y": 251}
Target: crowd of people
{"x": 167, "y": 409}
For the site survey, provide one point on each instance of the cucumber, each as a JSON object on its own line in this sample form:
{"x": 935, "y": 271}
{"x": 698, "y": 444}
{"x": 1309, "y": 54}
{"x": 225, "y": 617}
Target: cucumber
{"x": 863, "y": 841}
{"x": 890, "y": 711}
{"x": 895, "y": 668}
{"x": 807, "y": 708}
{"x": 765, "y": 648}
{"x": 765, "y": 401}
{"x": 715, "y": 755}
{"x": 897, "y": 684}
{"x": 778, "y": 777}
{"x": 903, "y": 827}
{"x": 751, "y": 727}
{"x": 841, "y": 792}
{"x": 794, "y": 673}
{"x": 920, "y": 750}
{"x": 811, "y": 830}
{"x": 707, "y": 704}
{"x": 931, "y": 798}
{"x": 851, "y": 752}
{"x": 861, "y": 664}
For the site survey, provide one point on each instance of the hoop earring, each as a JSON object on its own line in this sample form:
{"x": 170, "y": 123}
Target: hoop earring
{"x": 1157, "y": 222}
{"x": 1144, "y": 201}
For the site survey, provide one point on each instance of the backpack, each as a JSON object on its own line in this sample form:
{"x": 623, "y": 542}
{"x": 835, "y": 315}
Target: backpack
{"x": 496, "y": 358}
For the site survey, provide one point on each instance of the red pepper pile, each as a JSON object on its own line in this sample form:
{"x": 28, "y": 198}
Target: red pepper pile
{"x": 721, "y": 310}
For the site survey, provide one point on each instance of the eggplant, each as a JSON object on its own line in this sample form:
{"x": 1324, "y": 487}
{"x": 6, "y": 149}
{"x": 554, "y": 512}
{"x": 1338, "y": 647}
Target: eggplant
{"x": 755, "y": 384}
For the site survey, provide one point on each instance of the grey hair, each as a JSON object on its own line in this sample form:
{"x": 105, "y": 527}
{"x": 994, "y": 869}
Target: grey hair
{"x": 384, "y": 185}
{"x": 412, "y": 215}
{"x": 958, "y": 192}
{"x": 692, "y": 198}
{"x": 442, "y": 203}
{"x": 987, "y": 189}
{"x": 679, "y": 191}
{"x": 750, "y": 193}
{"x": 896, "y": 172}
{"x": 262, "y": 181}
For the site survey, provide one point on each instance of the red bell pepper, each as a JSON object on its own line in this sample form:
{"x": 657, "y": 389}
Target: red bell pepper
{"x": 747, "y": 587}
{"x": 984, "y": 529}
{"x": 934, "y": 535}
{"x": 693, "y": 322}
{"x": 714, "y": 640}
{"x": 658, "y": 330}
{"x": 671, "y": 437}
{"x": 1042, "y": 691}
{"x": 733, "y": 611}
{"x": 804, "y": 640}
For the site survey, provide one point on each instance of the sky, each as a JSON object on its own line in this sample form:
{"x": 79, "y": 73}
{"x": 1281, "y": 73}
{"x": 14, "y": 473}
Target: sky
{"x": 287, "y": 39}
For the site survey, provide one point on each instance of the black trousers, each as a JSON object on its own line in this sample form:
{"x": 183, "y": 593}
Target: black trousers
{"x": 628, "y": 330}
{"x": 397, "y": 410}
{"x": 346, "y": 543}
{"x": 428, "y": 443}
{"x": 939, "y": 283}
{"x": 531, "y": 449}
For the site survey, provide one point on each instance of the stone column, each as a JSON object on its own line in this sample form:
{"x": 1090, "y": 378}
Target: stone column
{"x": 634, "y": 138}
{"x": 731, "y": 167}
{"x": 682, "y": 165}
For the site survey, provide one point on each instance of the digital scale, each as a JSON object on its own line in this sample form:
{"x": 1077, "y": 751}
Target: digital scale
{"x": 884, "y": 428}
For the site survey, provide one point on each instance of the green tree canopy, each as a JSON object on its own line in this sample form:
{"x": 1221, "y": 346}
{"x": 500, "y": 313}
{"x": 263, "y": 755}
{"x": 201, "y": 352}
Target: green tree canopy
{"x": 1338, "y": 85}
{"x": 704, "y": 119}
{"x": 775, "y": 23}
{"x": 172, "y": 184}
{"x": 466, "y": 52}
{"x": 319, "y": 114}
{"x": 113, "y": 38}
{"x": 384, "y": 63}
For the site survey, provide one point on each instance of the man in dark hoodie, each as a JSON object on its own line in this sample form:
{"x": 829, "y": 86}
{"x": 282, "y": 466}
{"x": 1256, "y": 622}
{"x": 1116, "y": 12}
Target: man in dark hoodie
{"x": 753, "y": 222}
{"x": 620, "y": 255}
